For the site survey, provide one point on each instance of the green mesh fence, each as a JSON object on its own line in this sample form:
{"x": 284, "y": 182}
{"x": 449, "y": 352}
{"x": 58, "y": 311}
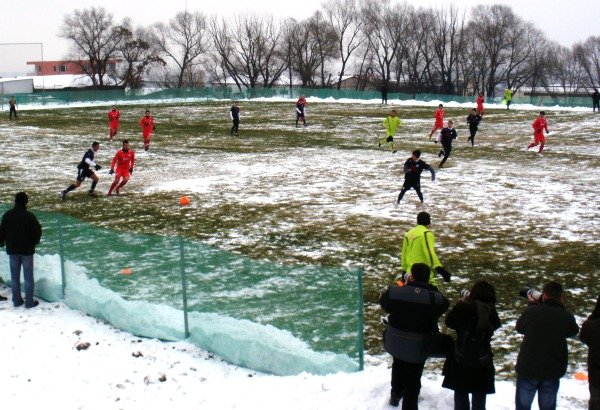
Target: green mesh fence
{"x": 111, "y": 96}
{"x": 172, "y": 288}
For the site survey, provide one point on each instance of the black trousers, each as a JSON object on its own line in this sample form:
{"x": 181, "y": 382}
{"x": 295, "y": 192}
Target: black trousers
{"x": 234, "y": 127}
{"x": 445, "y": 151}
{"x": 406, "y": 382}
{"x": 472, "y": 131}
{"x": 13, "y": 110}
{"x": 406, "y": 187}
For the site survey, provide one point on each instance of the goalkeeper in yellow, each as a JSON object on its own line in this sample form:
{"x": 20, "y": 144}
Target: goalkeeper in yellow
{"x": 391, "y": 124}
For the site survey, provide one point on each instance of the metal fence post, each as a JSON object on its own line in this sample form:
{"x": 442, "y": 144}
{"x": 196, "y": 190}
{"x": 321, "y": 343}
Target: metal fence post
{"x": 183, "y": 287}
{"x": 361, "y": 322}
{"x": 61, "y": 254}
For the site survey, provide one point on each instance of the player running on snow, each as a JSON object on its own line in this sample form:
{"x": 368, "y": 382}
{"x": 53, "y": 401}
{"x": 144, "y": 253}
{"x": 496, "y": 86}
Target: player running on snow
{"x": 391, "y": 124}
{"x": 412, "y": 175}
{"x": 122, "y": 166}
{"x": 473, "y": 120}
{"x": 447, "y": 135}
{"x": 113, "y": 122}
{"x": 300, "y": 110}
{"x": 147, "y": 124}
{"x": 84, "y": 170}
{"x": 439, "y": 120}
{"x": 539, "y": 125}
{"x": 480, "y": 104}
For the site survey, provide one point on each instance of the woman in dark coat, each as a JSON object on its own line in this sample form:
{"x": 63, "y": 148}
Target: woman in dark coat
{"x": 590, "y": 335}
{"x": 471, "y": 368}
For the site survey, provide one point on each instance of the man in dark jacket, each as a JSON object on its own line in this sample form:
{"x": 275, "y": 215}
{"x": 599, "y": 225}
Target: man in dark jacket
{"x": 590, "y": 335}
{"x": 413, "y": 167}
{"x": 543, "y": 355}
{"x": 412, "y": 309}
{"x": 448, "y": 134}
{"x": 20, "y": 231}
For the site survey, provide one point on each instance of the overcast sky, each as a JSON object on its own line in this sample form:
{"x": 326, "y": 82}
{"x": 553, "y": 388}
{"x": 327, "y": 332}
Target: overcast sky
{"x": 39, "y": 21}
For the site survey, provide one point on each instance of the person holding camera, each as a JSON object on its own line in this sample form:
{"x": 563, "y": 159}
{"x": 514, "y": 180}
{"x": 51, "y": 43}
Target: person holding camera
{"x": 419, "y": 247}
{"x": 590, "y": 335}
{"x": 413, "y": 311}
{"x": 543, "y": 354}
{"x": 471, "y": 368}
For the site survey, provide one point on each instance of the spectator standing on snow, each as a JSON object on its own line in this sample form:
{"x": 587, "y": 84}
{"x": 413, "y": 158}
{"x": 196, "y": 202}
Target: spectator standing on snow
{"x": 470, "y": 369}
{"x": 542, "y": 361}
{"x": 12, "y": 103}
{"x": 20, "y": 232}
{"x": 596, "y": 100}
{"x": 234, "y": 113}
{"x": 411, "y": 309}
{"x": 590, "y": 335}
{"x": 473, "y": 120}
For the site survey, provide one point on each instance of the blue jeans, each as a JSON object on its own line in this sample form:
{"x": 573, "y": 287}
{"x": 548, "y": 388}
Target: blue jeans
{"x": 461, "y": 401}
{"x": 16, "y": 261}
{"x": 546, "y": 390}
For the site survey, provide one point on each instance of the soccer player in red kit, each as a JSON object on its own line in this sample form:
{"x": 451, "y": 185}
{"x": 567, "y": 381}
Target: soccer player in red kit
{"x": 439, "y": 120}
{"x": 480, "y": 104}
{"x": 122, "y": 166}
{"x": 113, "y": 122}
{"x": 147, "y": 124}
{"x": 539, "y": 125}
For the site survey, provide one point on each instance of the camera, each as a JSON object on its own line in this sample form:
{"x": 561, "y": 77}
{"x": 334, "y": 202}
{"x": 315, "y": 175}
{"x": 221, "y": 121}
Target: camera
{"x": 529, "y": 292}
{"x": 465, "y": 294}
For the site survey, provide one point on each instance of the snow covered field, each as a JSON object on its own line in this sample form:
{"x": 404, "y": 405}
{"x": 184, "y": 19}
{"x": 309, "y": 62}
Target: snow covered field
{"x": 324, "y": 195}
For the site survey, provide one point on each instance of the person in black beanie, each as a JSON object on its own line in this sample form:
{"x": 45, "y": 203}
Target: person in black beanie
{"x": 590, "y": 335}
{"x": 20, "y": 232}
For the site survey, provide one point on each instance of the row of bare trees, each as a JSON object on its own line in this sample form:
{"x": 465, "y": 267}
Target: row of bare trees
{"x": 383, "y": 43}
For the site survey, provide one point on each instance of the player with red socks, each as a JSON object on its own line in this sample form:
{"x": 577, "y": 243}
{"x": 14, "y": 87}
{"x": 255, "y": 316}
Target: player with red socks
{"x": 147, "y": 124}
{"x": 123, "y": 162}
{"x": 539, "y": 125}
{"x": 113, "y": 122}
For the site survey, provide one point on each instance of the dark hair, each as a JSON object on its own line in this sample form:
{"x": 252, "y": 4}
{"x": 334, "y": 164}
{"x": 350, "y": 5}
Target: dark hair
{"x": 483, "y": 291}
{"x": 146, "y": 111}
{"x": 553, "y": 290}
{"x": 417, "y": 153}
{"x": 125, "y": 142}
{"x": 542, "y": 112}
{"x": 423, "y": 218}
{"x": 21, "y": 199}
{"x": 95, "y": 144}
{"x": 420, "y": 272}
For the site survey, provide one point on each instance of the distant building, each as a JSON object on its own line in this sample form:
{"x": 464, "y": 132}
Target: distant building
{"x": 66, "y": 67}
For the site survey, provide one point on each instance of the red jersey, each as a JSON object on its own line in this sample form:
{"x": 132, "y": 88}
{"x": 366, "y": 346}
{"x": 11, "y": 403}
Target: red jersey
{"x": 113, "y": 117}
{"x": 539, "y": 125}
{"x": 480, "y": 103}
{"x": 124, "y": 160}
{"x": 147, "y": 124}
{"x": 439, "y": 118}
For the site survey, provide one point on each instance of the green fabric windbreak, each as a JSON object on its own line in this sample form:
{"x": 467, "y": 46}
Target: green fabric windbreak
{"x": 141, "y": 95}
{"x": 148, "y": 285}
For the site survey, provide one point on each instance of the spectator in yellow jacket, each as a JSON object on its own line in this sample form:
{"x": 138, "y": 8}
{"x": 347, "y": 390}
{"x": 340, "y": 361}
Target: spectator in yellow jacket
{"x": 419, "y": 247}
{"x": 391, "y": 124}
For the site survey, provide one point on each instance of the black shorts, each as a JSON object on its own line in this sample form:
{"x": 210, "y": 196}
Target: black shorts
{"x": 83, "y": 173}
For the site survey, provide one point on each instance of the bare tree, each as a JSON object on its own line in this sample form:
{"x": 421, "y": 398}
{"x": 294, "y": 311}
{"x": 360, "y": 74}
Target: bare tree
{"x": 182, "y": 41}
{"x": 588, "y": 56}
{"x": 448, "y": 41}
{"x": 248, "y": 48}
{"x": 343, "y": 18}
{"x": 95, "y": 41}
{"x": 138, "y": 53}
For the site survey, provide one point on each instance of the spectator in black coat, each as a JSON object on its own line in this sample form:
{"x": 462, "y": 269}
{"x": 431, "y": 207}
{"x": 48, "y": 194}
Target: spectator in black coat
{"x": 590, "y": 335}
{"x": 412, "y": 309}
{"x": 543, "y": 354}
{"x": 20, "y": 231}
{"x": 595, "y": 101}
{"x": 475, "y": 319}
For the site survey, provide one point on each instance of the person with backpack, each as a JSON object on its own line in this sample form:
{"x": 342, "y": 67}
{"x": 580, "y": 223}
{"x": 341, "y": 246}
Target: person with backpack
{"x": 470, "y": 369}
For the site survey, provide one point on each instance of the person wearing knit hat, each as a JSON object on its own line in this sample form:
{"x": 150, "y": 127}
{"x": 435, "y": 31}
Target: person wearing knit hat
{"x": 20, "y": 232}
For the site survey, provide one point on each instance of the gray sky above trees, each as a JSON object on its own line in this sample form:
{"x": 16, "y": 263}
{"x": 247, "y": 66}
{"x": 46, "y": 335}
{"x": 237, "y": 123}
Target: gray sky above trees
{"x": 565, "y": 22}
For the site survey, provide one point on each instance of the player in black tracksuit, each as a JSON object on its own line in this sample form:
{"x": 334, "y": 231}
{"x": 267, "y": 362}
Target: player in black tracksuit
{"x": 84, "y": 170}
{"x": 448, "y": 134}
{"x": 234, "y": 113}
{"x": 412, "y": 175}
{"x": 473, "y": 120}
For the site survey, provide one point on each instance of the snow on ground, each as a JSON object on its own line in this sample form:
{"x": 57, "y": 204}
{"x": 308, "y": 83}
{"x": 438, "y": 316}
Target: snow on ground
{"x": 42, "y": 367}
